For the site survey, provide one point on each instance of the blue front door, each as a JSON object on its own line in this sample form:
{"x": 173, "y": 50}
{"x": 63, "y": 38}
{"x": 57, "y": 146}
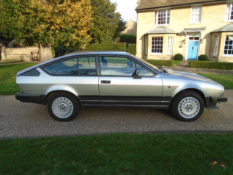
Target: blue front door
{"x": 193, "y": 50}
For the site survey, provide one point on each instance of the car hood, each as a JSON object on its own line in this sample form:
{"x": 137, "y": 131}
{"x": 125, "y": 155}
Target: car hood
{"x": 188, "y": 75}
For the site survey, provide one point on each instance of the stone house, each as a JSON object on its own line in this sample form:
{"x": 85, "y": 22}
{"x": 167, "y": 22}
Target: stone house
{"x": 131, "y": 28}
{"x": 188, "y": 27}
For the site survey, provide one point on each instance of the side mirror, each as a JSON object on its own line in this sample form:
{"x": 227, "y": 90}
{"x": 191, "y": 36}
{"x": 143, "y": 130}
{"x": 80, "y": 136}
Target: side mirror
{"x": 136, "y": 74}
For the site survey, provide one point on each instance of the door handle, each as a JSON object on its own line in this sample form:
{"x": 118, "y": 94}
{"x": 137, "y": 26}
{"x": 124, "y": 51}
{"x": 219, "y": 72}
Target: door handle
{"x": 105, "y": 82}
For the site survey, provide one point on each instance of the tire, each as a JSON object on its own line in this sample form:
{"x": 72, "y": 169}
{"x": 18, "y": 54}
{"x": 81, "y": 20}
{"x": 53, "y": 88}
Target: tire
{"x": 63, "y": 106}
{"x": 188, "y": 106}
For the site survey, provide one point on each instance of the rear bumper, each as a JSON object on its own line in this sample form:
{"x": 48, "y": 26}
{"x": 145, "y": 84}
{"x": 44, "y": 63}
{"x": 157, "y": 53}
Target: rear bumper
{"x": 211, "y": 102}
{"x": 29, "y": 98}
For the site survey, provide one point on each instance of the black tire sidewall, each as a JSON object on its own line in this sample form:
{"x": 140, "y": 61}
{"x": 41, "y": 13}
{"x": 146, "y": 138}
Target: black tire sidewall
{"x": 175, "y": 103}
{"x": 68, "y": 96}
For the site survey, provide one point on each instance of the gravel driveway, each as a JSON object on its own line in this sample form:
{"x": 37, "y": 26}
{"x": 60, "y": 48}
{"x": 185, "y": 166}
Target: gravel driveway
{"x": 31, "y": 120}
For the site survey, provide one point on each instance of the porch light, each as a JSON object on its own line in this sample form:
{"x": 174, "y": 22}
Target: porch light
{"x": 201, "y": 41}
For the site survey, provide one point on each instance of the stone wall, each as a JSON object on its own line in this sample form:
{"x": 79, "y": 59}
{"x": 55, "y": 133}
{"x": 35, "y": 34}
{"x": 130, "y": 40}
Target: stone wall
{"x": 23, "y": 54}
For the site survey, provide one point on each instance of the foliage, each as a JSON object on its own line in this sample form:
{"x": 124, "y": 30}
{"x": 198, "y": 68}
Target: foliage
{"x": 106, "y": 47}
{"x": 202, "y": 154}
{"x": 48, "y": 22}
{"x": 128, "y": 38}
{"x": 223, "y": 79}
{"x": 106, "y": 21}
{"x": 203, "y": 58}
{"x": 4, "y": 39}
{"x": 161, "y": 62}
{"x": 211, "y": 65}
{"x": 132, "y": 49}
{"x": 8, "y": 78}
{"x": 178, "y": 57}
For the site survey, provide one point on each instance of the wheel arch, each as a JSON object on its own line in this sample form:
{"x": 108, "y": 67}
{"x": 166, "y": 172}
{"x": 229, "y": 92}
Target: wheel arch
{"x": 189, "y": 89}
{"x": 50, "y": 94}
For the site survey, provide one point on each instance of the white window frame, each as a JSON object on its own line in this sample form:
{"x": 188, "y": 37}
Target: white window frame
{"x": 196, "y": 14}
{"x": 167, "y": 11}
{"x": 170, "y": 45}
{"x": 216, "y": 45}
{"x": 156, "y": 53}
{"x": 228, "y": 12}
{"x": 230, "y": 55}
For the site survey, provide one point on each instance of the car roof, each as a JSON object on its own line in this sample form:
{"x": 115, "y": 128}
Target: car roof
{"x": 73, "y": 54}
{"x": 99, "y": 53}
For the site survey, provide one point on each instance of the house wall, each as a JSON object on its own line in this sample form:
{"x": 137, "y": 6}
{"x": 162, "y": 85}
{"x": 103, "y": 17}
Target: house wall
{"x": 213, "y": 18}
{"x": 24, "y": 54}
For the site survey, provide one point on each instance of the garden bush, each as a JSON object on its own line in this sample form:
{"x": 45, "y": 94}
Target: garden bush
{"x": 178, "y": 57}
{"x": 203, "y": 58}
{"x": 161, "y": 62}
{"x": 211, "y": 65}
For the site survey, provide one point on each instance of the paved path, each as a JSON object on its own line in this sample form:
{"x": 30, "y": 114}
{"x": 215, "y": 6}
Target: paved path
{"x": 31, "y": 120}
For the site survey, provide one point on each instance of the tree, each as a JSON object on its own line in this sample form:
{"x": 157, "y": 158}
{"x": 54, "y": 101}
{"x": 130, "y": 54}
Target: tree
{"x": 106, "y": 21}
{"x": 47, "y": 22}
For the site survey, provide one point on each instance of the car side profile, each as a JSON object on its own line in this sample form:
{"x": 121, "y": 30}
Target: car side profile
{"x": 115, "y": 79}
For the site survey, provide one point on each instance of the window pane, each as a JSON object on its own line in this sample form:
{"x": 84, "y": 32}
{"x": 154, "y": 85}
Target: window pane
{"x": 228, "y": 48}
{"x": 158, "y": 46}
{"x": 162, "y": 17}
{"x": 144, "y": 72}
{"x": 86, "y": 66}
{"x": 196, "y": 14}
{"x": 66, "y": 67}
{"x": 117, "y": 66}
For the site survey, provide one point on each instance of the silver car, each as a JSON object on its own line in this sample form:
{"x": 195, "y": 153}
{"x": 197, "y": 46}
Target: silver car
{"x": 115, "y": 79}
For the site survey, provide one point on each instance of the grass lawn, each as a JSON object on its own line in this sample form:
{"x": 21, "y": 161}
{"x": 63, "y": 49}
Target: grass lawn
{"x": 223, "y": 79}
{"x": 7, "y": 62}
{"x": 8, "y": 77}
{"x": 189, "y": 154}
{"x": 175, "y": 62}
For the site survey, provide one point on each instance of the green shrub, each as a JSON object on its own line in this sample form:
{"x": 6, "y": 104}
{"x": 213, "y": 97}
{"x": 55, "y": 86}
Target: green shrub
{"x": 161, "y": 62}
{"x": 203, "y": 58}
{"x": 132, "y": 49}
{"x": 106, "y": 47}
{"x": 128, "y": 38}
{"x": 178, "y": 57}
{"x": 211, "y": 65}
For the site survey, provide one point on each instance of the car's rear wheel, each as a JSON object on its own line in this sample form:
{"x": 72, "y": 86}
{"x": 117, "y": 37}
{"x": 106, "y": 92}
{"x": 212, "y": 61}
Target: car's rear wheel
{"x": 188, "y": 106}
{"x": 63, "y": 106}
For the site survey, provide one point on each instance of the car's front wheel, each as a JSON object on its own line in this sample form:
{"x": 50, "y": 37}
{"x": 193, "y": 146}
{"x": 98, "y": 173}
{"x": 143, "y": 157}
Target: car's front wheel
{"x": 188, "y": 106}
{"x": 63, "y": 106}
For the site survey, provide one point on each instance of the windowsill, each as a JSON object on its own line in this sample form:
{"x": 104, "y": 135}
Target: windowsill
{"x": 227, "y": 56}
{"x": 228, "y": 20}
{"x": 160, "y": 25}
{"x": 156, "y": 53}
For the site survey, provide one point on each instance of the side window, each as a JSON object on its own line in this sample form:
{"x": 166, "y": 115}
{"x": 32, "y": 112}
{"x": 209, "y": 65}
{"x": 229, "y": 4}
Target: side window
{"x": 74, "y": 66}
{"x": 120, "y": 66}
{"x": 144, "y": 72}
{"x": 116, "y": 66}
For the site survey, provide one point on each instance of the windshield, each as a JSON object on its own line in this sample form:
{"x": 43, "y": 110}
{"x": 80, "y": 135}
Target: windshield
{"x": 149, "y": 64}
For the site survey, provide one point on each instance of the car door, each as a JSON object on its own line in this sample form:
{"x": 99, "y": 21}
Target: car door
{"x": 118, "y": 87}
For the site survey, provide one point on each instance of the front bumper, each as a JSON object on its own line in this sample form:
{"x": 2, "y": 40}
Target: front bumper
{"x": 211, "y": 102}
{"x": 29, "y": 98}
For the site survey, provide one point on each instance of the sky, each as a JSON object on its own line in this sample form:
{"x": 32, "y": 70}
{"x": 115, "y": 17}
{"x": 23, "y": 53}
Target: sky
{"x": 127, "y": 9}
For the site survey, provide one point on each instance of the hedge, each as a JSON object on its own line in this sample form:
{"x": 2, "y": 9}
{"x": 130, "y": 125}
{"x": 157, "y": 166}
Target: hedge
{"x": 132, "y": 49}
{"x": 128, "y": 38}
{"x": 161, "y": 62}
{"x": 106, "y": 47}
{"x": 211, "y": 65}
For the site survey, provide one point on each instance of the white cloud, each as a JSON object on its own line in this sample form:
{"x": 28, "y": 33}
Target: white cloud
{"x": 127, "y": 9}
